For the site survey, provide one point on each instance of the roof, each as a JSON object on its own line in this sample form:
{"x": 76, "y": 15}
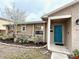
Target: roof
{"x": 33, "y": 22}
{"x": 58, "y": 9}
{"x": 5, "y": 19}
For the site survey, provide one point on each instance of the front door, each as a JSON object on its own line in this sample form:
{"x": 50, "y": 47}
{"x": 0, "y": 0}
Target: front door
{"x": 58, "y": 34}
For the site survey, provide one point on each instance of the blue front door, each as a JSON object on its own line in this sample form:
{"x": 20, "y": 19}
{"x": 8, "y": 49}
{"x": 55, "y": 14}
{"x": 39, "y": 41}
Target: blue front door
{"x": 58, "y": 34}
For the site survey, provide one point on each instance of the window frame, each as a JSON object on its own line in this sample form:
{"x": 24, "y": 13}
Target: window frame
{"x": 22, "y": 28}
{"x": 39, "y": 32}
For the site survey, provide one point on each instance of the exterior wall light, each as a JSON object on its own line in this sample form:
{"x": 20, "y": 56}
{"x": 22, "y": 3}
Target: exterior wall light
{"x": 77, "y": 21}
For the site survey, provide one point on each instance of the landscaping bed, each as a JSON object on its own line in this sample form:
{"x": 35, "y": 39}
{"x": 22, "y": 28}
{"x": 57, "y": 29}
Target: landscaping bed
{"x": 23, "y": 40}
{"x": 10, "y": 40}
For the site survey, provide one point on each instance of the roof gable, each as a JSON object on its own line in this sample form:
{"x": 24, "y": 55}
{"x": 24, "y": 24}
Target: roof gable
{"x": 61, "y": 8}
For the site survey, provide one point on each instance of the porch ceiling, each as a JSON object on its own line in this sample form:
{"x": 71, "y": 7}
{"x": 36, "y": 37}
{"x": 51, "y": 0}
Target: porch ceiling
{"x": 60, "y": 17}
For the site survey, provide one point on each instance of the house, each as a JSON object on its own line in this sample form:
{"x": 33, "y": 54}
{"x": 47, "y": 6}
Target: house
{"x": 63, "y": 28}
{"x": 59, "y": 28}
{"x": 3, "y": 28}
{"x": 34, "y": 28}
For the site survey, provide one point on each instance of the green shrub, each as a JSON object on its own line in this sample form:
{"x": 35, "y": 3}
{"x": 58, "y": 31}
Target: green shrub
{"x": 7, "y": 37}
{"x": 1, "y": 35}
{"x": 76, "y": 52}
{"x": 36, "y": 39}
{"x": 27, "y": 38}
{"x": 4, "y": 37}
{"x": 21, "y": 39}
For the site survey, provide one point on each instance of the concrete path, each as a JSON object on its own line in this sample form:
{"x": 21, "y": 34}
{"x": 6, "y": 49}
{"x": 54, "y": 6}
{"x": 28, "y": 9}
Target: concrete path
{"x": 58, "y": 56}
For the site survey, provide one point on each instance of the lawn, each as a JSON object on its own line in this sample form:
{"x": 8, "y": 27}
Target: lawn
{"x": 9, "y": 52}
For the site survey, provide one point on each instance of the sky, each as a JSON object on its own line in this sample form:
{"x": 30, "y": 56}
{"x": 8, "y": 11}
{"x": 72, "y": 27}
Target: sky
{"x": 34, "y": 7}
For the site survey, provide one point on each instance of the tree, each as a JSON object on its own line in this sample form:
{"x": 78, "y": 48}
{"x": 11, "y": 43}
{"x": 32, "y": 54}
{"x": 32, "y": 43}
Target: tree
{"x": 15, "y": 14}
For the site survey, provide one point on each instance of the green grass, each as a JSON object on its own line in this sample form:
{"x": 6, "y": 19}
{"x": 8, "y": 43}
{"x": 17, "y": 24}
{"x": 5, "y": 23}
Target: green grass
{"x": 28, "y": 54}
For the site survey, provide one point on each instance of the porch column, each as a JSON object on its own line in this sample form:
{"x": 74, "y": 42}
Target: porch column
{"x": 44, "y": 33}
{"x": 48, "y": 33}
{"x": 6, "y": 30}
{"x": 33, "y": 31}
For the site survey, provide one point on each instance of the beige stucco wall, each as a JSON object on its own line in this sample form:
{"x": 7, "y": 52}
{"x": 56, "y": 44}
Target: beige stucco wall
{"x": 30, "y": 30}
{"x": 4, "y": 22}
{"x": 74, "y": 12}
{"x": 67, "y": 37}
{"x": 3, "y": 27}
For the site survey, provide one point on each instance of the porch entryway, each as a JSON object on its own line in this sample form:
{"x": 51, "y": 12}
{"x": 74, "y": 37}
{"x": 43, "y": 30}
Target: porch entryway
{"x": 59, "y": 34}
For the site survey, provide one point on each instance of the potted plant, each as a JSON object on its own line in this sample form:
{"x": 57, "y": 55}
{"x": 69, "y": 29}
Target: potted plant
{"x": 76, "y": 54}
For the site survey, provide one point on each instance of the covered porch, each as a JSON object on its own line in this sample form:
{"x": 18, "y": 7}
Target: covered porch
{"x": 59, "y": 34}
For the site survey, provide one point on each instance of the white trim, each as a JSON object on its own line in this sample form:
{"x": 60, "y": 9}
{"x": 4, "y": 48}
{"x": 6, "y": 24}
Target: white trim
{"x": 48, "y": 33}
{"x": 43, "y": 32}
{"x": 33, "y": 31}
{"x": 62, "y": 32}
{"x": 60, "y": 17}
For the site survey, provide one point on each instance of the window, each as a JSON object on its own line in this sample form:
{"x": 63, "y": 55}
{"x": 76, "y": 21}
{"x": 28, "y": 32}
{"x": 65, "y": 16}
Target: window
{"x": 39, "y": 32}
{"x": 39, "y": 29}
{"x": 23, "y": 28}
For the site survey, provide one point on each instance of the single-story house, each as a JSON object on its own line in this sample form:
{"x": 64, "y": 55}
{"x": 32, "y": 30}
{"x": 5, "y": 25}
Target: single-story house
{"x": 63, "y": 28}
{"x": 3, "y": 28}
{"x": 59, "y": 28}
{"x": 34, "y": 28}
